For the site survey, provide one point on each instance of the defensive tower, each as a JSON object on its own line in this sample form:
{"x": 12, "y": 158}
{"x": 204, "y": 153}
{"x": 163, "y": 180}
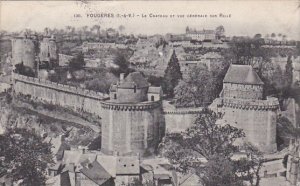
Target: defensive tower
{"x": 242, "y": 103}
{"x": 132, "y": 119}
{"x": 48, "y": 50}
{"x": 23, "y": 50}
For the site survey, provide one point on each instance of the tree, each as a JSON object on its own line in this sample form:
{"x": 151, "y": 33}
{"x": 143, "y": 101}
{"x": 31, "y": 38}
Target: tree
{"x": 77, "y": 62}
{"x": 121, "y": 28}
{"x": 24, "y": 70}
{"x": 215, "y": 143}
{"x": 200, "y": 86}
{"x": 24, "y": 156}
{"x": 95, "y": 144}
{"x": 289, "y": 71}
{"x": 273, "y": 35}
{"x": 120, "y": 65}
{"x": 248, "y": 168}
{"x": 97, "y": 28}
{"x": 220, "y": 31}
{"x": 220, "y": 172}
{"x": 257, "y": 36}
{"x": 172, "y": 75}
{"x": 203, "y": 139}
{"x": 196, "y": 89}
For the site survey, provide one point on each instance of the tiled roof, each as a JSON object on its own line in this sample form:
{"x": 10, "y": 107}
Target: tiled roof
{"x": 77, "y": 157}
{"x": 96, "y": 173}
{"x": 134, "y": 78}
{"x": 108, "y": 163}
{"x": 242, "y": 74}
{"x": 156, "y": 90}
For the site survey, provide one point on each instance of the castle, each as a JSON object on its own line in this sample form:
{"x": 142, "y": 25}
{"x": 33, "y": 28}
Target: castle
{"x": 25, "y": 51}
{"x": 133, "y": 118}
{"x": 242, "y": 103}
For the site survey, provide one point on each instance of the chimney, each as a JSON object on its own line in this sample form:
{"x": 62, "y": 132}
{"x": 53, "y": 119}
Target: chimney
{"x": 122, "y": 77}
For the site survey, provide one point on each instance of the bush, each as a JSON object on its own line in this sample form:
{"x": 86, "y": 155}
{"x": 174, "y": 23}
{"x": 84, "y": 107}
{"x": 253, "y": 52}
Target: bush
{"x": 95, "y": 144}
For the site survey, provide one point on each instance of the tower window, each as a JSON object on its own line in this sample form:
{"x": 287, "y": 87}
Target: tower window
{"x": 134, "y": 89}
{"x": 115, "y": 96}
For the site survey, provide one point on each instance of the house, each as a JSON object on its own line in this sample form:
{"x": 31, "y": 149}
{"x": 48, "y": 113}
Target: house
{"x": 201, "y": 35}
{"x": 92, "y": 168}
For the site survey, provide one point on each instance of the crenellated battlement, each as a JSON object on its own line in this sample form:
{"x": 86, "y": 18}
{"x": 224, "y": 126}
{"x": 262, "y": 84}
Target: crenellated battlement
{"x": 131, "y": 106}
{"x": 181, "y": 111}
{"x": 60, "y": 87}
{"x": 269, "y": 104}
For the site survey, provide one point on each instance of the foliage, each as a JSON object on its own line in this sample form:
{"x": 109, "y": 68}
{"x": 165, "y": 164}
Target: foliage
{"x": 24, "y": 70}
{"x": 120, "y": 65}
{"x": 25, "y": 156}
{"x": 220, "y": 31}
{"x": 203, "y": 139}
{"x": 248, "y": 169}
{"x": 155, "y": 81}
{"x": 285, "y": 131}
{"x": 201, "y": 86}
{"x": 77, "y": 62}
{"x": 172, "y": 75}
{"x": 102, "y": 82}
{"x": 197, "y": 89}
{"x": 215, "y": 143}
{"x": 95, "y": 144}
{"x": 219, "y": 171}
{"x": 289, "y": 71}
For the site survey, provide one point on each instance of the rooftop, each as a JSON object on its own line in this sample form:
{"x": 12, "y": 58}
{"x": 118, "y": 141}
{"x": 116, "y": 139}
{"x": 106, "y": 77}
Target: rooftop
{"x": 96, "y": 173}
{"x": 242, "y": 74}
{"x": 156, "y": 90}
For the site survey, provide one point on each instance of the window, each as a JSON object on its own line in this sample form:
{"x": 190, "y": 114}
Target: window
{"x": 115, "y": 96}
{"x": 152, "y": 98}
{"x": 134, "y": 89}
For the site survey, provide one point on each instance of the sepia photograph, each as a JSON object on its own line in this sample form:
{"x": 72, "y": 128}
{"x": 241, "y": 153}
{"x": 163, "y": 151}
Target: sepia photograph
{"x": 150, "y": 93}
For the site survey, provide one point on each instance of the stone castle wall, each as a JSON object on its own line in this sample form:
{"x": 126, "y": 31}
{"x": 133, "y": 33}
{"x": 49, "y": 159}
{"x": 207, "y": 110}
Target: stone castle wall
{"x": 257, "y": 118}
{"x": 59, "y": 94}
{"x": 240, "y": 91}
{"x": 141, "y": 127}
{"x": 126, "y": 128}
{"x": 178, "y": 120}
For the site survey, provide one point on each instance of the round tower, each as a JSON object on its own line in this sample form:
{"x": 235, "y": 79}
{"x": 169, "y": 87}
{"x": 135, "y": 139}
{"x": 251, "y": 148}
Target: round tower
{"x": 131, "y": 123}
{"x": 23, "y": 50}
{"x": 48, "y": 49}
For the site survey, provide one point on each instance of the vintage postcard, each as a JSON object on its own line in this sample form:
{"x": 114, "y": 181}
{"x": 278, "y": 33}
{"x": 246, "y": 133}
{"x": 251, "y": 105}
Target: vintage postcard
{"x": 155, "y": 93}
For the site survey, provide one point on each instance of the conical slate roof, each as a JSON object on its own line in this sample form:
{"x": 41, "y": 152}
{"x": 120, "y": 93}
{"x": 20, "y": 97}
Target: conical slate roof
{"x": 242, "y": 74}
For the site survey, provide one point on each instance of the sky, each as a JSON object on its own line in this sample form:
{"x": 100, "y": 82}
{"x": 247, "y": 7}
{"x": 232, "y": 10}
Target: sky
{"x": 246, "y": 17}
